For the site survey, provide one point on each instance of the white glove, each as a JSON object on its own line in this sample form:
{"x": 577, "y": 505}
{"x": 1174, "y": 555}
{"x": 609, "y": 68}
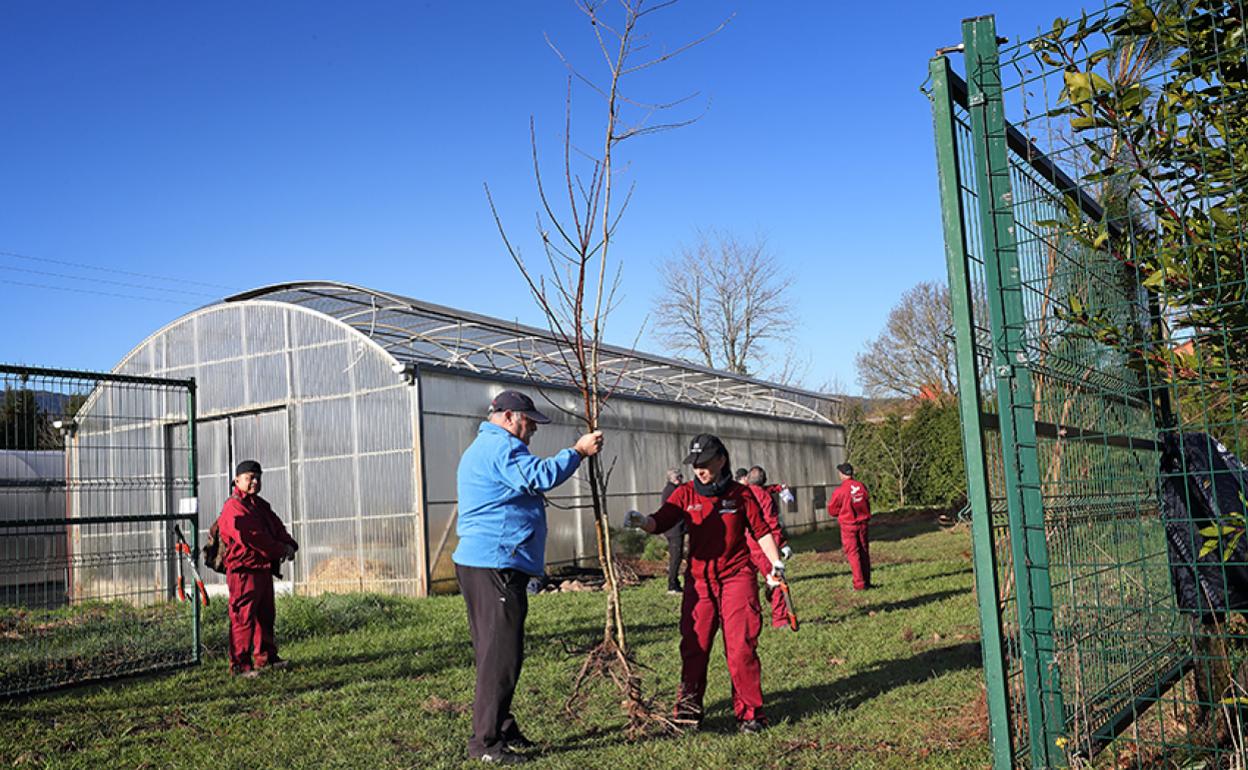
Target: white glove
{"x": 771, "y": 581}
{"x": 634, "y": 520}
{"x": 786, "y": 553}
{"x": 786, "y": 495}
{"x": 777, "y": 570}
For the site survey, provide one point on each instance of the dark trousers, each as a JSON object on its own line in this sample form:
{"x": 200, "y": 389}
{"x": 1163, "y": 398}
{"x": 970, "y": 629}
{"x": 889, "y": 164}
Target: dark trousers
{"x": 675, "y": 553}
{"x": 251, "y": 614}
{"x": 497, "y": 605}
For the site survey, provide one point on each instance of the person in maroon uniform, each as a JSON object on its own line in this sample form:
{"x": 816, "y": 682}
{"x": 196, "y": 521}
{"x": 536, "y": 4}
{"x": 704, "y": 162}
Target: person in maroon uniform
{"x": 756, "y": 482}
{"x": 851, "y": 507}
{"x": 255, "y": 543}
{"x": 720, "y": 587}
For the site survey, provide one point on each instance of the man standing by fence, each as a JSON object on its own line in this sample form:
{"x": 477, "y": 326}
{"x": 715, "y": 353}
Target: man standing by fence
{"x": 851, "y": 507}
{"x": 502, "y": 543}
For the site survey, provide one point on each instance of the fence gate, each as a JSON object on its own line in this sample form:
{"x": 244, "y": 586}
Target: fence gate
{"x": 96, "y": 470}
{"x": 1061, "y": 426}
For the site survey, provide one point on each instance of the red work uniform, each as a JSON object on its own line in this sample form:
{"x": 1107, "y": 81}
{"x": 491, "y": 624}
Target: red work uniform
{"x": 779, "y": 614}
{"x": 851, "y": 507}
{"x": 720, "y": 588}
{"x": 254, "y": 541}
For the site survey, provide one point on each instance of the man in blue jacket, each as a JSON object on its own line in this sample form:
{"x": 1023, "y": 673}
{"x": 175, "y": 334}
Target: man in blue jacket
{"x": 502, "y": 543}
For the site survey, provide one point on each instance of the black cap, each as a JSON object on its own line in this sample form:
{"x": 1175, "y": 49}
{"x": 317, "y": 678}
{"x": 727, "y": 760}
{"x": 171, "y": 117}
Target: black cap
{"x": 704, "y": 448}
{"x": 846, "y": 469}
{"x": 247, "y": 466}
{"x": 515, "y": 401}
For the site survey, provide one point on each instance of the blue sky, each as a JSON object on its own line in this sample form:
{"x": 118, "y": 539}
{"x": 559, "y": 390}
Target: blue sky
{"x": 157, "y": 156}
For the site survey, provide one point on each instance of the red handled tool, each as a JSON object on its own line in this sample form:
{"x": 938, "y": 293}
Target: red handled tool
{"x": 783, "y": 587}
{"x": 184, "y": 548}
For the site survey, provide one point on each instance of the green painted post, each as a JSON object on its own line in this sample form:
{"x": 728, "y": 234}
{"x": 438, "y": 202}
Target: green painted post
{"x": 986, "y": 589}
{"x": 194, "y": 473}
{"x": 1015, "y": 394}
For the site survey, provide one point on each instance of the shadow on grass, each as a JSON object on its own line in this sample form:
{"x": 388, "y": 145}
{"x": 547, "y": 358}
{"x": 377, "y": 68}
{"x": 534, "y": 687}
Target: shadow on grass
{"x": 802, "y": 702}
{"x": 854, "y": 691}
{"x": 913, "y": 602}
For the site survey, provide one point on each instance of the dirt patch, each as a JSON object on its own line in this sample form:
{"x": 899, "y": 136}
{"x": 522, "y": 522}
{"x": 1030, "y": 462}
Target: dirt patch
{"x": 341, "y": 574}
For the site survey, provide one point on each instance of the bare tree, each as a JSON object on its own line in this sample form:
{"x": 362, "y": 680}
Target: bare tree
{"x": 916, "y": 349}
{"x": 577, "y": 291}
{"x": 723, "y": 300}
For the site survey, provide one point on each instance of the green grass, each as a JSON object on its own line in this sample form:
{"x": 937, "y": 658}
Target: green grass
{"x": 882, "y": 679}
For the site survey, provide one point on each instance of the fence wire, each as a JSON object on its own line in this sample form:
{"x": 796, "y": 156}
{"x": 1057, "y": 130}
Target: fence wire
{"x": 96, "y": 470}
{"x": 1090, "y": 179}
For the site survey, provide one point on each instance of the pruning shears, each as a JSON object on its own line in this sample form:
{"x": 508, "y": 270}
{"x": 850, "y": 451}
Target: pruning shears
{"x": 184, "y": 548}
{"x": 782, "y": 586}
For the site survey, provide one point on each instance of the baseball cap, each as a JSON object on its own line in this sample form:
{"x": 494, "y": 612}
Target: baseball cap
{"x": 515, "y": 401}
{"x": 247, "y": 466}
{"x": 704, "y": 448}
{"x": 846, "y": 468}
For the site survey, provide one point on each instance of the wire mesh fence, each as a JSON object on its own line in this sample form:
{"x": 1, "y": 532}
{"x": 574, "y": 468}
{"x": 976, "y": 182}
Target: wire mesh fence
{"x": 96, "y": 472}
{"x": 1090, "y": 182}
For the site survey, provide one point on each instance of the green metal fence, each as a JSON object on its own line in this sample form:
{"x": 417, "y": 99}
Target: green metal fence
{"x": 96, "y": 470}
{"x": 1086, "y": 341}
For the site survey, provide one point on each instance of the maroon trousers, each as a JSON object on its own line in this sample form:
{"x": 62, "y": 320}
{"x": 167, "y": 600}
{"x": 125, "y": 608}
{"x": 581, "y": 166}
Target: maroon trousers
{"x": 857, "y": 547}
{"x": 762, "y": 565}
{"x": 251, "y": 619}
{"x": 711, "y": 601}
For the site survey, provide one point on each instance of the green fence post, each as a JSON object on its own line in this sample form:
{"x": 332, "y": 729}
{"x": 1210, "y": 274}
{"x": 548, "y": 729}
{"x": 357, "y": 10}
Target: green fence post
{"x": 1015, "y": 394}
{"x": 194, "y": 473}
{"x": 960, "y": 297}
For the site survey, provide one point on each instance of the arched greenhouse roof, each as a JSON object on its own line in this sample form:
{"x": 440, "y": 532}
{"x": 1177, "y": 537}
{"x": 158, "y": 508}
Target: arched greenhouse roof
{"x": 422, "y": 333}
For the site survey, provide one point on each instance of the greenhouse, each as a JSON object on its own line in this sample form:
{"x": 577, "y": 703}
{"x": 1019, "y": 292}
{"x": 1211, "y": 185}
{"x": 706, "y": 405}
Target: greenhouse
{"x": 358, "y": 403}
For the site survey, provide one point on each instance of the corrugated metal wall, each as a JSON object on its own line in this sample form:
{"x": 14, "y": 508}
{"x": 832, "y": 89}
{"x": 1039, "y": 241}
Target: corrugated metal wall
{"x": 343, "y": 437}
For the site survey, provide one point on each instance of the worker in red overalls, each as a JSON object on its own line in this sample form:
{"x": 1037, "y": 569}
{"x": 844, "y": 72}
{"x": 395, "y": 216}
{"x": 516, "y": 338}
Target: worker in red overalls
{"x": 720, "y": 587}
{"x": 851, "y": 507}
{"x": 255, "y": 544}
{"x": 756, "y": 482}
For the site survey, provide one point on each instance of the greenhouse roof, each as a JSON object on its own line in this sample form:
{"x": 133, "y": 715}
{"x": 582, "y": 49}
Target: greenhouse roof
{"x": 419, "y": 332}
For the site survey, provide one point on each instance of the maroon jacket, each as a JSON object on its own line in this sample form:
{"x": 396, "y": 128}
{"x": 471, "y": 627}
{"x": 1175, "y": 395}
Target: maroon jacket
{"x": 251, "y": 534}
{"x": 850, "y": 503}
{"x": 718, "y": 527}
{"x": 768, "y": 507}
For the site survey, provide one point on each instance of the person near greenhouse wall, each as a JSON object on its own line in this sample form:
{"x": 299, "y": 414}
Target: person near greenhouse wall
{"x": 675, "y": 535}
{"x": 255, "y": 544}
{"x": 756, "y": 483}
{"x": 502, "y": 544}
{"x": 720, "y": 587}
{"x": 851, "y": 507}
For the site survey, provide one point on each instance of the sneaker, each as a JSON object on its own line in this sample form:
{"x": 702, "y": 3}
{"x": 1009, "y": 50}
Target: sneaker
{"x": 278, "y": 663}
{"x": 518, "y": 742}
{"x": 751, "y": 726}
{"x": 675, "y": 591}
{"x": 504, "y": 757}
{"x": 250, "y": 673}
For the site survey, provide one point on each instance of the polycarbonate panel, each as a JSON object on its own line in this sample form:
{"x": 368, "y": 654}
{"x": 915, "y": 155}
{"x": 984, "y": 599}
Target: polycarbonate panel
{"x": 264, "y": 327}
{"x": 328, "y": 489}
{"x": 221, "y": 385}
{"x": 385, "y": 419}
{"x": 326, "y": 428}
{"x": 220, "y": 334}
{"x": 267, "y": 379}
{"x": 322, "y": 371}
{"x": 386, "y": 484}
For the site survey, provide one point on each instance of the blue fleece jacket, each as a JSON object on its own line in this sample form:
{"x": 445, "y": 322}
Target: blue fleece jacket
{"x": 502, "y": 518}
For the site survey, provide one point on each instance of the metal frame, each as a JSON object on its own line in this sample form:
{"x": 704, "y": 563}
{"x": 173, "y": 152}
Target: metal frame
{"x": 416, "y": 332}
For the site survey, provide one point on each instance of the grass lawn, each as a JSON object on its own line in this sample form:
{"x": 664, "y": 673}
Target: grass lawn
{"x": 879, "y": 679}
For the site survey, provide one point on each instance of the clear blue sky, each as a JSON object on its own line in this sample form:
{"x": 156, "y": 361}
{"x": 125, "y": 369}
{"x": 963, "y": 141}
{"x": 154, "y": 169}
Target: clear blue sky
{"x": 203, "y": 148}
